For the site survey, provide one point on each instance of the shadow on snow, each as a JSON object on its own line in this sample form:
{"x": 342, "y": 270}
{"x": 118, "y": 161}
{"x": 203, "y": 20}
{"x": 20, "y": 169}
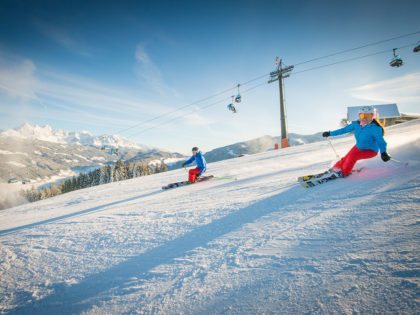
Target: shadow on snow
{"x": 81, "y": 297}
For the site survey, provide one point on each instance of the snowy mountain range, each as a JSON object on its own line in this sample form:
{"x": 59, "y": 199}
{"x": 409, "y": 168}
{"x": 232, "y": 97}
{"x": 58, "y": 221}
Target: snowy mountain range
{"x": 250, "y": 241}
{"x": 37, "y": 153}
{"x": 46, "y": 133}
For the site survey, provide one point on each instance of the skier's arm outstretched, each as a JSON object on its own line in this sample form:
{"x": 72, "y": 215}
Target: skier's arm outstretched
{"x": 338, "y": 132}
{"x": 189, "y": 161}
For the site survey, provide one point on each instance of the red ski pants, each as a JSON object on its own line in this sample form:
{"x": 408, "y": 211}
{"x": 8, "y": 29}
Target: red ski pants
{"x": 347, "y": 163}
{"x": 192, "y": 174}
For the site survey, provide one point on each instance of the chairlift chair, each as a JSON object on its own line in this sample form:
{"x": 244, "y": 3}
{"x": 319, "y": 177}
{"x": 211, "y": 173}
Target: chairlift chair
{"x": 232, "y": 108}
{"x": 396, "y": 61}
{"x": 238, "y": 97}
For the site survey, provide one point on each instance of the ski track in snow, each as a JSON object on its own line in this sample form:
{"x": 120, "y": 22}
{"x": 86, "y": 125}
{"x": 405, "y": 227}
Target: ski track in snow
{"x": 257, "y": 245}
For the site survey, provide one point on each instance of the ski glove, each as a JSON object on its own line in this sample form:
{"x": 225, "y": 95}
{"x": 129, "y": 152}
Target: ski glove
{"x": 183, "y": 164}
{"x": 326, "y": 134}
{"x": 385, "y": 157}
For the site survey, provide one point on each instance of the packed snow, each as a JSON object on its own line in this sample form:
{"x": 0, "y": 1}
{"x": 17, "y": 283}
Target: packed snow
{"x": 13, "y": 153}
{"x": 251, "y": 241}
{"x": 17, "y": 164}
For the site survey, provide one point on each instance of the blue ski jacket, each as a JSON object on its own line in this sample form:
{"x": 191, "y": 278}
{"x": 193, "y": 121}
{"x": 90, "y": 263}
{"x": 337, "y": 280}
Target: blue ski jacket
{"x": 200, "y": 160}
{"x": 369, "y": 137}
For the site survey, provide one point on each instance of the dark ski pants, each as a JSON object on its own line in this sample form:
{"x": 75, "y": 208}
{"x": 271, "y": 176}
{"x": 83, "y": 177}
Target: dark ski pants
{"x": 347, "y": 163}
{"x": 192, "y": 174}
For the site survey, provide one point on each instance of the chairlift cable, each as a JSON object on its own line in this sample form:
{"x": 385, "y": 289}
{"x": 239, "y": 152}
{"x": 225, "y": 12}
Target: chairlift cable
{"x": 356, "y": 48}
{"x": 199, "y": 109}
{"x": 350, "y": 59}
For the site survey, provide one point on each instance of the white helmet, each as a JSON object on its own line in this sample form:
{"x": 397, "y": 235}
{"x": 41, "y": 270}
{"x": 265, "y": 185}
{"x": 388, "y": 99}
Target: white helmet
{"x": 368, "y": 110}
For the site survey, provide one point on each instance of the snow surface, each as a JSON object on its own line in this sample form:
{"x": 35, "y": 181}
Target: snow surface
{"x": 16, "y": 164}
{"x": 12, "y": 153}
{"x": 260, "y": 244}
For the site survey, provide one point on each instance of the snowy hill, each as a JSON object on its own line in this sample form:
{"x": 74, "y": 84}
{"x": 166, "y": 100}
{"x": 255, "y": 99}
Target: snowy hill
{"x": 256, "y": 245}
{"x": 257, "y": 145}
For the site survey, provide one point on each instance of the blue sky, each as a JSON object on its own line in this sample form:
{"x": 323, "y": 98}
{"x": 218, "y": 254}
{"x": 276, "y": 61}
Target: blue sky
{"x": 88, "y": 65}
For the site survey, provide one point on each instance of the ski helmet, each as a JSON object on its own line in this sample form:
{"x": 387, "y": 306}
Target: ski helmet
{"x": 368, "y": 110}
{"x": 194, "y": 149}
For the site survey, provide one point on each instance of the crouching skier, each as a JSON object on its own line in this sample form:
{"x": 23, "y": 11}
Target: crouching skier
{"x": 198, "y": 157}
{"x": 369, "y": 134}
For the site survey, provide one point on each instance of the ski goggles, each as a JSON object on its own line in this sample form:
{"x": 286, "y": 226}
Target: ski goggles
{"x": 366, "y": 115}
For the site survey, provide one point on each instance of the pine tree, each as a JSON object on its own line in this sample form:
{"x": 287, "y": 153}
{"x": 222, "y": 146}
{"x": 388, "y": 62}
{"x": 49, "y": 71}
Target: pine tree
{"x": 130, "y": 170}
{"x": 74, "y": 184}
{"x": 106, "y": 174}
{"x": 161, "y": 167}
{"x": 119, "y": 171}
{"x": 96, "y": 180}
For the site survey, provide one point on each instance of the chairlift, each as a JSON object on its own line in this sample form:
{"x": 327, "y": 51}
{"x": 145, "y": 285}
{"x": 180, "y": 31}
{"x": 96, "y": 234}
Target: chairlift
{"x": 417, "y": 48}
{"x": 396, "y": 61}
{"x": 231, "y": 107}
{"x": 238, "y": 97}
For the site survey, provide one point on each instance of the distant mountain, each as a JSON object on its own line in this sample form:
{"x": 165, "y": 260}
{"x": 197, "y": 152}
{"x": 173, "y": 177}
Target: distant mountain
{"x": 46, "y": 133}
{"x": 257, "y": 145}
{"x": 38, "y": 153}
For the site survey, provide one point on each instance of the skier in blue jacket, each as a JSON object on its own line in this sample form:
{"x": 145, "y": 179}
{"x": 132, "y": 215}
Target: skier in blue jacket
{"x": 369, "y": 134}
{"x": 198, "y": 157}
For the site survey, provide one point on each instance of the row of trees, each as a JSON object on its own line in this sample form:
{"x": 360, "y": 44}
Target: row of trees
{"x": 106, "y": 174}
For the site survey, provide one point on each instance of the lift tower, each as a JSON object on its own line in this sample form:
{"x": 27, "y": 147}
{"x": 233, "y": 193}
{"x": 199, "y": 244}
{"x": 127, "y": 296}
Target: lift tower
{"x": 279, "y": 75}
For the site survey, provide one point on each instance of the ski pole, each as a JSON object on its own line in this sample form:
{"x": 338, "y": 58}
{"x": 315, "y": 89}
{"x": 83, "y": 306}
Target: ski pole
{"x": 329, "y": 141}
{"x": 399, "y": 162}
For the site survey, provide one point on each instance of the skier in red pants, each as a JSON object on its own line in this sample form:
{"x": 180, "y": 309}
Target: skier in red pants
{"x": 198, "y": 157}
{"x": 369, "y": 134}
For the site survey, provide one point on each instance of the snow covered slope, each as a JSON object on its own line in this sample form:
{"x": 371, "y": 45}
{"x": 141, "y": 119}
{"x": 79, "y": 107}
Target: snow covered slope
{"x": 258, "y": 244}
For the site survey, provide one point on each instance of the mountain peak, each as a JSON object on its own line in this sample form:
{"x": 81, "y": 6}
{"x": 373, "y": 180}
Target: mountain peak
{"x": 47, "y": 133}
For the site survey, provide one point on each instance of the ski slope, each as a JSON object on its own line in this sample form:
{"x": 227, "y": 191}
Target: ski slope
{"x": 260, "y": 244}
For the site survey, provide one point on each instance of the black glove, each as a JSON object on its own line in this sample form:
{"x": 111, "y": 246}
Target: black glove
{"x": 183, "y": 164}
{"x": 385, "y": 157}
{"x": 326, "y": 134}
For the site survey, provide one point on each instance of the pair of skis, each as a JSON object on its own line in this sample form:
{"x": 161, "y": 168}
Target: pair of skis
{"x": 199, "y": 180}
{"x": 308, "y": 181}
{"x": 184, "y": 183}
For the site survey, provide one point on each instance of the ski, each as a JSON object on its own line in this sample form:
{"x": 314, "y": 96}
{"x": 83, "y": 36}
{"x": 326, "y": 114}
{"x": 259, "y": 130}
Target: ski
{"x": 315, "y": 182}
{"x": 322, "y": 175}
{"x": 177, "y": 184}
{"x": 184, "y": 183}
{"x": 312, "y": 176}
{"x": 321, "y": 178}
